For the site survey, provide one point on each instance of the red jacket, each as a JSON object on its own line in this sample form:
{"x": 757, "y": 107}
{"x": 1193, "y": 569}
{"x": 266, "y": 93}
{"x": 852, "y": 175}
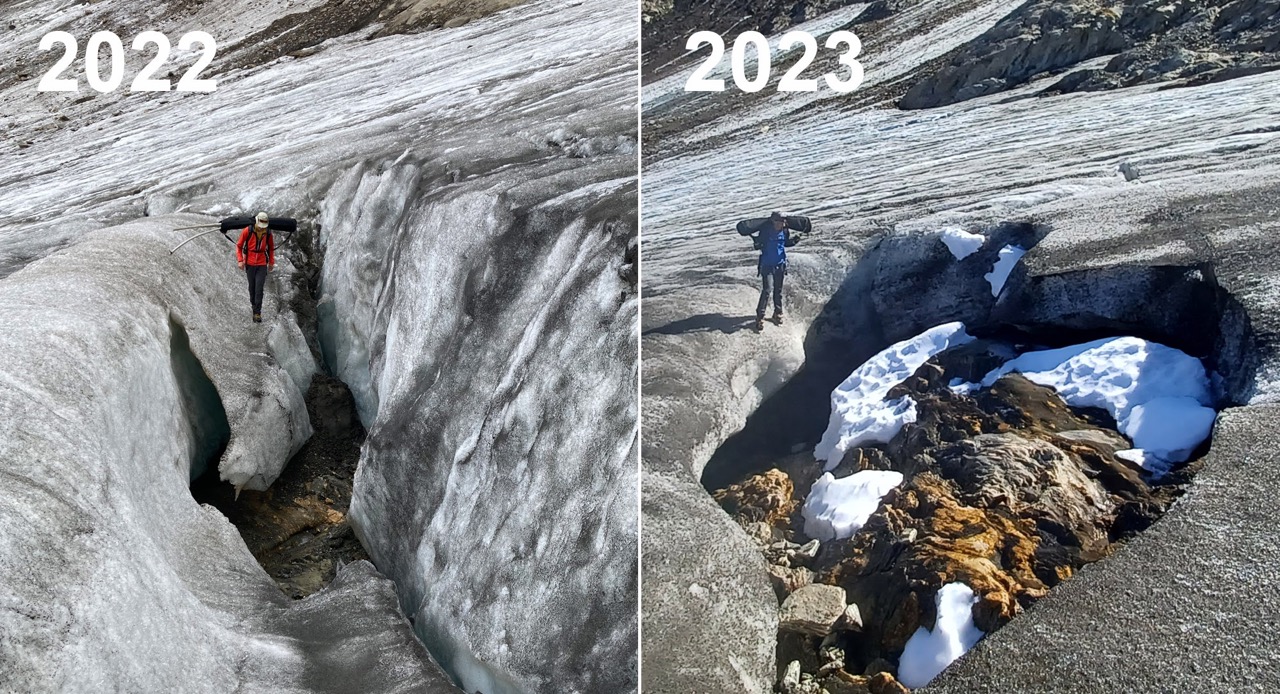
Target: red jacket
{"x": 255, "y": 249}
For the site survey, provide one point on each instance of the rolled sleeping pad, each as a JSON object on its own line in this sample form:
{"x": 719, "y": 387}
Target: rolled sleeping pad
{"x": 748, "y": 227}
{"x": 285, "y": 224}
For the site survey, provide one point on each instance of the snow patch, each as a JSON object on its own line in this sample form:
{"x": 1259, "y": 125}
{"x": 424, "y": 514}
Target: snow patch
{"x": 859, "y": 412}
{"x": 1159, "y": 396}
{"x": 838, "y": 508}
{"x": 1009, "y": 257}
{"x": 962, "y": 244}
{"x": 928, "y": 653}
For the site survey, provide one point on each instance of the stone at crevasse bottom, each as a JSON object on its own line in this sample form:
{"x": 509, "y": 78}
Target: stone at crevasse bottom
{"x": 1008, "y": 491}
{"x": 765, "y": 498}
{"x": 813, "y": 609}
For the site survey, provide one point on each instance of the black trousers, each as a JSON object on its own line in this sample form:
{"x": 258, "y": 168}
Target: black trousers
{"x": 771, "y": 278}
{"x": 257, "y": 282}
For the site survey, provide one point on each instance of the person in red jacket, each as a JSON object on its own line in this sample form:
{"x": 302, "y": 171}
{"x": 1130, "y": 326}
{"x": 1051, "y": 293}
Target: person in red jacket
{"x": 256, "y": 255}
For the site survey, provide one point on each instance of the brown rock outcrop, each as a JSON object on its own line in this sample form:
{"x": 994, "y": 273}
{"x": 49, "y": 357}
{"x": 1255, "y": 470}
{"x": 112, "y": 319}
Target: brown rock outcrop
{"x": 765, "y": 498}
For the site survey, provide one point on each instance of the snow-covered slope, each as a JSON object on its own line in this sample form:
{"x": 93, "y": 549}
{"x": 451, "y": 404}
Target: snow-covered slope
{"x": 475, "y": 192}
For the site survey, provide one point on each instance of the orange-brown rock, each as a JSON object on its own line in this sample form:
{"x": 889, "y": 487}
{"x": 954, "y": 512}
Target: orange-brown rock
{"x": 841, "y": 682}
{"x": 1008, "y": 491}
{"x": 885, "y": 683}
{"x": 766, "y": 497}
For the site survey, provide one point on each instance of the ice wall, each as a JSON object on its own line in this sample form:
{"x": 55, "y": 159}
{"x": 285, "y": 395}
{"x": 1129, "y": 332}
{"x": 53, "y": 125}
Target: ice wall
{"x": 112, "y": 577}
{"x": 488, "y": 333}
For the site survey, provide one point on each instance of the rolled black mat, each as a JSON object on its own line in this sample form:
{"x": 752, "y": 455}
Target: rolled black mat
{"x": 285, "y": 224}
{"x": 748, "y": 227}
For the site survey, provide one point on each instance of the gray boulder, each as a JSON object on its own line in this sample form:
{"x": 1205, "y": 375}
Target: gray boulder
{"x": 813, "y": 609}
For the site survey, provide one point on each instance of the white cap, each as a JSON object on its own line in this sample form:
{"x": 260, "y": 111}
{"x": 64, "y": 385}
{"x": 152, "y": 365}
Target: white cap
{"x": 263, "y": 219}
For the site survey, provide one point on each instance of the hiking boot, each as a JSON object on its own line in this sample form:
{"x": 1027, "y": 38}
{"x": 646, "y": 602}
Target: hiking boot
{"x": 759, "y": 324}
{"x": 257, "y": 318}
{"x": 777, "y": 318}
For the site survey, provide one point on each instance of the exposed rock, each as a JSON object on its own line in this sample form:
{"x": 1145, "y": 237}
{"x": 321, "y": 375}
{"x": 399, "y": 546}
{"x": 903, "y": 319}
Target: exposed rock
{"x": 763, "y": 533}
{"x": 806, "y": 553}
{"x": 763, "y": 498}
{"x": 1103, "y": 440}
{"x": 791, "y": 678}
{"x": 841, "y": 682}
{"x": 1155, "y": 40}
{"x": 1008, "y": 490}
{"x": 788, "y": 580}
{"x": 885, "y": 683}
{"x": 877, "y": 666}
{"x": 1041, "y": 36}
{"x": 1032, "y": 479}
{"x": 813, "y": 609}
{"x": 851, "y": 620}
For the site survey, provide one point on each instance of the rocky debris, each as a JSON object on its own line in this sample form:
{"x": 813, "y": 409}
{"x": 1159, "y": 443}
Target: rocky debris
{"x": 881, "y": 9}
{"x": 298, "y": 529}
{"x": 765, "y": 498}
{"x": 763, "y": 533}
{"x": 1153, "y": 41}
{"x": 851, "y": 620}
{"x": 1039, "y": 37}
{"x": 813, "y": 609}
{"x": 787, "y": 580}
{"x": 791, "y": 678}
{"x": 1007, "y": 490}
{"x": 885, "y": 683}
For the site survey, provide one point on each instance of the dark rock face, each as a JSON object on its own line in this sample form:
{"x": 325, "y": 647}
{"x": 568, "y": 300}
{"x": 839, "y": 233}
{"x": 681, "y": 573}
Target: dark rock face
{"x": 1009, "y": 491}
{"x": 1153, "y": 40}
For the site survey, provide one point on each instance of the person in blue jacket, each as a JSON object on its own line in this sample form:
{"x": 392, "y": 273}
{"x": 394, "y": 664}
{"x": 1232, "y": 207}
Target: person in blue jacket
{"x": 772, "y": 241}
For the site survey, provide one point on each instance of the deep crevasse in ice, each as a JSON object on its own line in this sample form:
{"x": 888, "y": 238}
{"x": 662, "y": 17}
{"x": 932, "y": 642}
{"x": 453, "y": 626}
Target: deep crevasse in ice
{"x": 112, "y": 577}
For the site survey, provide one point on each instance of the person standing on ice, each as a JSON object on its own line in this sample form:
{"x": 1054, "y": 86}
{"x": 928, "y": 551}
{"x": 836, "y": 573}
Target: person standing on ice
{"x": 773, "y": 241}
{"x": 256, "y": 255}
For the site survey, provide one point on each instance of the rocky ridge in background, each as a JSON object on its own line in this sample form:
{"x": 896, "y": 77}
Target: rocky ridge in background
{"x": 1187, "y": 41}
{"x": 1009, "y": 491}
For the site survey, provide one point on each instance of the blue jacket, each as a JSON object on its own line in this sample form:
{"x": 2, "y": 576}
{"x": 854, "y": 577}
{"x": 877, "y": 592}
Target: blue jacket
{"x": 773, "y": 248}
